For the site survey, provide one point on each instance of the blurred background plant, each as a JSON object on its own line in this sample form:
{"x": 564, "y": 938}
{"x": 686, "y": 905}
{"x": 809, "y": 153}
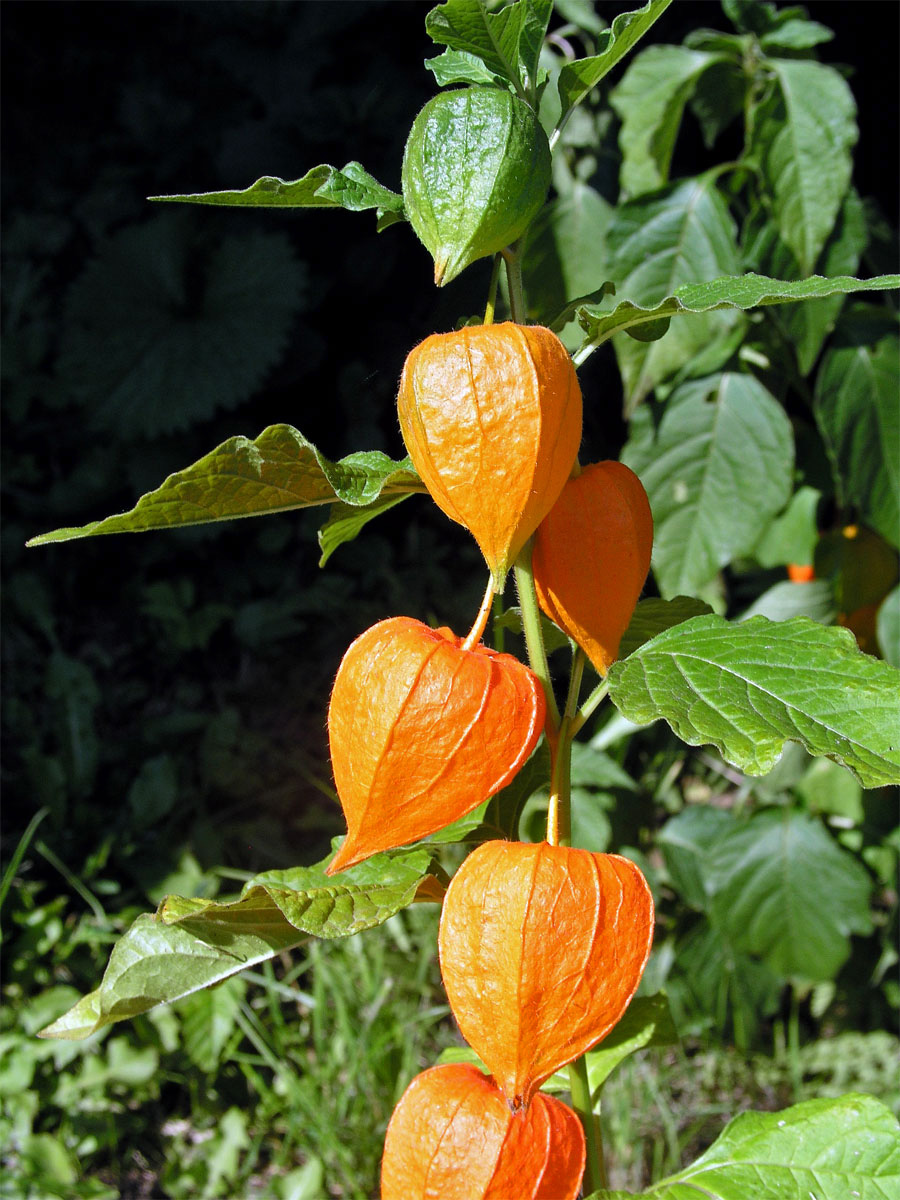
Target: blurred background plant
{"x": 164, "y": 695}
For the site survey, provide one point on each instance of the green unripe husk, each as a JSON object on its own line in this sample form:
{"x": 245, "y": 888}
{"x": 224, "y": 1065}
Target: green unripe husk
{"x": 476, "y": 170}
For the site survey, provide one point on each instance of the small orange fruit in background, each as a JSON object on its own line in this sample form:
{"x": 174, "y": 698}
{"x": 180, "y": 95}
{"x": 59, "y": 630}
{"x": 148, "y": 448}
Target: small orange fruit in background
{"x": 541, "y": 949}
{"x": 491, "y": 417}
{"x": 421, "y": 731}
{"x": 591, "y": 557}
{"x": 454, "y": 1137}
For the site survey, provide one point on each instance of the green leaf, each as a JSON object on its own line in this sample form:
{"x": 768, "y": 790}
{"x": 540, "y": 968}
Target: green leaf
{"x": 796, "y": 34}
{"x": 278, "y": 471}
{"x": 736, "y": 291}
{"x": 784, "y": 891}
{"x": 192, "y": 944}
{"x": 646, "y": 1022}
{"x": 888, "y": 627}
{"x": 166, "y": 327}
{"x": 650, "y": 103}
{"x": 827, "y": 1149}
{"x": 792, "y": 536}
{"x": 687, "y": 841}
{"x": 458, "y": 66}
{"x": 207, "y": 1022}
{"x": 805, "y": 151}
{"x": 858, "y": 415}
{"x": 577, "y": 78}
{"x": 652, "y": 616}
{"x": 658, "y": 243}
{"x": 345, "y": 522}
{"x": 749, "y": 688}
{"x": 507, "y": 41}
{"x": 564, "y": 255}
{"x": 351, "y": 187}
{"x": 716, "y": 471}
{"x": 785, "y": 600}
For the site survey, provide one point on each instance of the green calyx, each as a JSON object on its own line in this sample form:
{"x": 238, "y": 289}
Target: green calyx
{"x": 476, "y": 170}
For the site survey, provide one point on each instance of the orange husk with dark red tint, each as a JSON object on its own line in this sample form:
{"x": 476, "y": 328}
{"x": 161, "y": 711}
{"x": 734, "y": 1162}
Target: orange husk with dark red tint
{"x": 421, "y": 731}
{"x": 491, "y": 417}
{"x": 541, "y": 949}
{"x": 591, "y": 557}
{"x": 454, "y": 1137}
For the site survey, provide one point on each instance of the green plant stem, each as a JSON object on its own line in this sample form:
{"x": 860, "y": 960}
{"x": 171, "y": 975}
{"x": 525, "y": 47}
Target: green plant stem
{"x": 72, "y": 880}
{"x": 498, "y": 630}
{"x": 514, "y": 281}
{"x": 559, "y": 815}
{"x": 595, "y": 1166}
{"x": 491, "y": 305}
{"x": 594, "y": 700}
{"x": 531, "y": 627}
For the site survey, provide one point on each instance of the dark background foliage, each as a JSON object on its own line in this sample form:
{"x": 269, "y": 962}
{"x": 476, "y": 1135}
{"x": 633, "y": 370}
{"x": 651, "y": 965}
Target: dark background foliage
{"x": 164, "y": 694}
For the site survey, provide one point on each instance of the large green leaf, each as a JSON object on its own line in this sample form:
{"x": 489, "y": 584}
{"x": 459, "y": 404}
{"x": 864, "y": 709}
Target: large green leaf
{"x": 826, "y": 1149}
{"x": 650, "y": 103}
{"x": 192, "y": 944}
{"x": 716, "y": 471}
{"x": 350, "y": 187}
{"x": 578, "y": 77}
{"x": 658, "y": 243}
{"x": 507, "y": 41}
{"x": 805, "y": 148}
{"x": 857, "y": 412}
{"x": 783, "y": 890}
{"x": 738, "y": 291}
{"x": 749, "y": 688}
{"x": 279, "y": 470}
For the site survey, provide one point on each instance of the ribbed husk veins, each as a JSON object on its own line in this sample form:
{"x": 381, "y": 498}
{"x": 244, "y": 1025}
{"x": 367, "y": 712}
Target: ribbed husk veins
{"x": 591, "y": 557}
{"x": 491, "y": 417}
{"x": 476, "y": 170}
{"x": 453, "y": 1137}
{"x": 541, "y": 949}
{"x": 422, "y": 731}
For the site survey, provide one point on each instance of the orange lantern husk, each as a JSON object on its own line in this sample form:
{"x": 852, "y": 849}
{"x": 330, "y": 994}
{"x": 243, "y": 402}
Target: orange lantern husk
{"x": 421, "y": 731}
{"x": 491, "y": 417}
{"x": 591, "y": 557}
{"x": 454, "y": 1137}
{"x": 541, "y": 947}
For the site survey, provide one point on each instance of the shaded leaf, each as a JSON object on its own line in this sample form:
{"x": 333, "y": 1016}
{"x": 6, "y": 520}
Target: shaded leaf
{"x": 888, "y": 627}
{"x": 345, "y": 521}
{"x": 577, "y": 78}
{"x": 785, "y": 600}
{"x": 278, "y": 471}
{"x": 805, "y": 149}
{"x": 856, "y": 409}
{"x": 658, "y": 243}
{"x": 653, "y": 615}
{"x": 650, "y": 102}
{"x": 783, "y": 890}
{"x": 792, "y": 536}
{"x": 749, "y": 688}
{"x": 716, "y": 471}
{"x": 191, "y": 944}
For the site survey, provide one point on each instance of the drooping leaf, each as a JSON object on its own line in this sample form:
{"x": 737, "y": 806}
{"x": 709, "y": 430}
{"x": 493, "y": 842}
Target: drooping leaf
{"x": 735, "y": 292}
{"x": 164, "y": 328}
{"x": 346, "y": 521}
{"x": 785, "y": 600}
{"x": 658, "y": 243}
{"x": 653, "y": 615}
{"x": 508, "y": 41}
{"x": 350, "y": 187}
{"x": 751, "y": 687}
{"x": 805, "y": 146}
{"x": 888, "y": 627}
{"x": 577, "y": 78}
{"x": 716, "y": 470}
{"x": 278, "y": 471}
{"x": 650, "y": 103}
{"x": 647, "y": 1022}
{"x": 857, "y": 412}
{"x": 458, "y": 66}
{"x": 783, "y": 890}
{"x": 829, "y": 1149}
{"x": 191, "y": 944}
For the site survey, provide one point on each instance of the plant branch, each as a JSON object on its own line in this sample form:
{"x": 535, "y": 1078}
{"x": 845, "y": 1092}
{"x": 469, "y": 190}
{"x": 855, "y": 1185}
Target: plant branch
{"x": 531, "y": 627}
{"x": 595, "y": 1167}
